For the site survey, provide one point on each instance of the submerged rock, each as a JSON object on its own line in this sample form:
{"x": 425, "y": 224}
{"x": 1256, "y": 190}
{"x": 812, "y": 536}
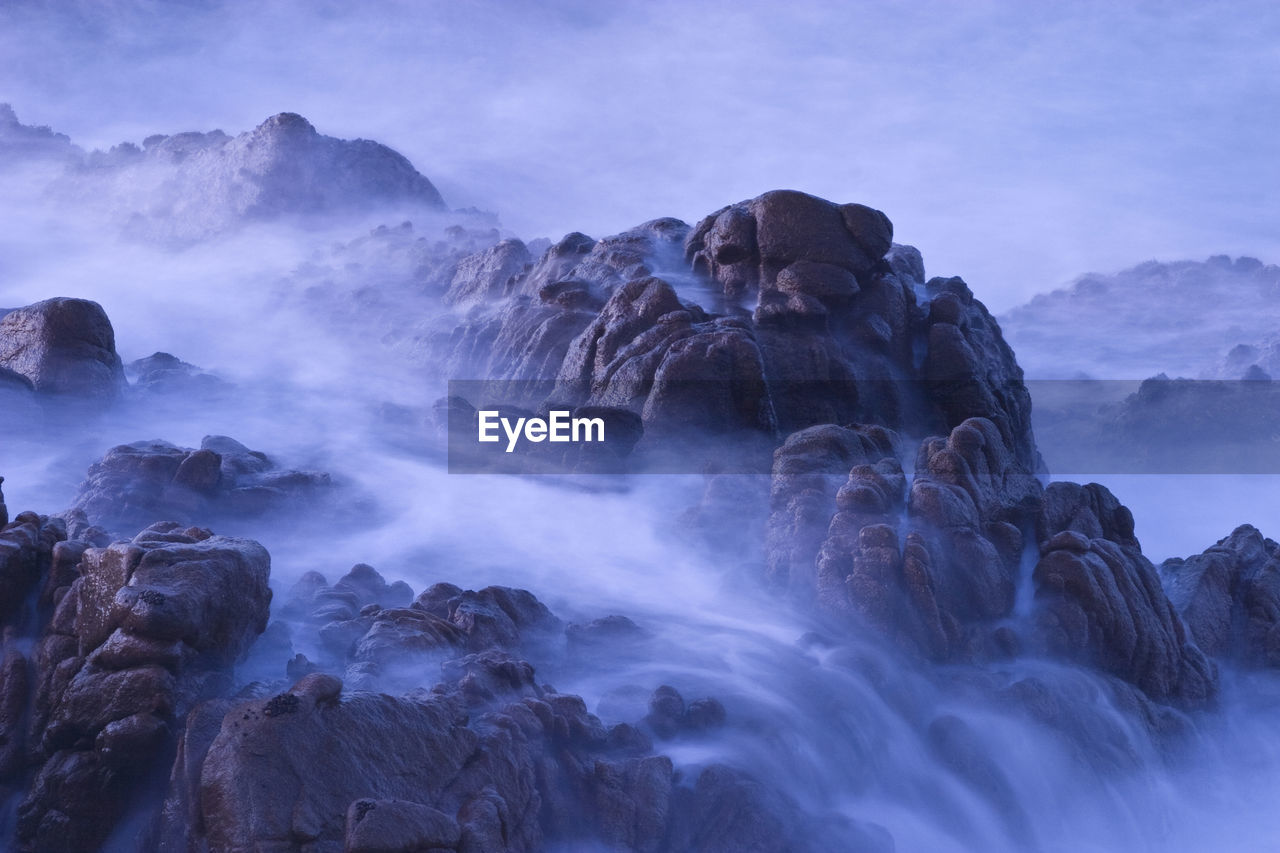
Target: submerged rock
{"x": 137, "y": 484}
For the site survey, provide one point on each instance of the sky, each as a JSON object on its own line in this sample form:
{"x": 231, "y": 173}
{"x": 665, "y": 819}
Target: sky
{"x": 1018, "y": 144}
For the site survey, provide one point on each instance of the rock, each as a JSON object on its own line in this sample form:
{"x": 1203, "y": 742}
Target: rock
{"x": 970, "y": 372}
{"x": 808, "y": 470}
{"x": 168, "y": 375}
{"x": 151, "y": 627}
{"x": 190, "y": 186}
{"x": 488, "y": 275}
{"x": 136, "y": 484}
{"x": 1229, "y": 597}
{"x": 1105, "y": 607}
{"x": 745, "y": 246}
{"x": 21, "y": 143}
{"x": 64, "y": 347}
{"x": 26, "y": 545}
{"x": 386, "y": 826}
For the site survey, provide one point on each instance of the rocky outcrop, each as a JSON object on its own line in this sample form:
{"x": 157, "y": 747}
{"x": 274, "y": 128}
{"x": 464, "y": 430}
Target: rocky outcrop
{"x": 646, "y": 352}
{"x": 21, "y": 143}
{"x": 1099, "y": 600}
{"x": 746, "y": 246}
{"x": 64, "y": 348}
{"x": 135, "y": 484}
{"x": 188, "y": 186}
{"x": 488, "y": 275}
{"x": 147, "y": 629}
{"x": 937, "y": 587}
{"x": 1213, "y": 319}
{"x": 167, "y": 375}
{"x": 1229, "y": 597}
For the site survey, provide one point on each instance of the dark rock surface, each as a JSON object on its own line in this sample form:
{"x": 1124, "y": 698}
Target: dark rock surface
{"x": 134, "y": 484}
{"x": 164, "y": 374}
{"x": 1099, "y": 600}
{"x": 1229, "y": 597}
{"x": 146, "y": 629}
{"x": 63, "y": 347}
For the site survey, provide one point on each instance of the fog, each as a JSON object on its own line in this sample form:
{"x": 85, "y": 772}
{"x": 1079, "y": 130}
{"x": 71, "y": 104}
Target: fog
{"x": 1017, "y": 145}
{"x": 1020, "y": 144}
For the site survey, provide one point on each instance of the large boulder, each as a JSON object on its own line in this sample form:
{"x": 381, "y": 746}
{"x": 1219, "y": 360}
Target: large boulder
{"x": 747, "y": 245}
{"x": 1099, "y": 600}
{"x": 64, "y": 347}
{"x": 136, "y": 484}
{"x": 149, "y": 628}
{"x": 1229, "y": 597}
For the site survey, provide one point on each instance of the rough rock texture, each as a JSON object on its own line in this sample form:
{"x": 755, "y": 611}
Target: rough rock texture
{"x": 134, "y": 484}
{"x": 1215, "y": 320}
{"x": 1099, "y": 600}
{"x": 19, "y": 407}
{"x": 488, "y": 275}
{"x": 937, "y": 587}
{"x": 812, "y": 316}
{"x": 164, "y": 374}
{"x": 147, "y": 629}
{"x": 1229, "y": 597}
{"x": 188, "y": 186}
{"x": 64, "y": 347}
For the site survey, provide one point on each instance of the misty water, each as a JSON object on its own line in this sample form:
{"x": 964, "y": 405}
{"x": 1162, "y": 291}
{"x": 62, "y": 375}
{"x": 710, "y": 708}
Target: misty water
{"x": 848, "y": 726}
{"x": 843, "y": 728}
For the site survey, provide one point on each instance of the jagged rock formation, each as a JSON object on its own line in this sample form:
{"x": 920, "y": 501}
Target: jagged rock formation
{"x": 1100, "y": 601}
{"x": 812, "y": 316}
{"x": 136, "y": 483}
{"x": 940, "y": 586}
{"x": 64, "y": 348}
{"x": 188, "y": 186}
{"x": 1229, "y": 597}
{"x": 143, "y": 631}
{"x": 21, "y": 143}
{"x": 133, "y": 666}
{"x": 1209, "y": 319}
{"x": 169, "y": 376}
{"x": 904, "y": 502}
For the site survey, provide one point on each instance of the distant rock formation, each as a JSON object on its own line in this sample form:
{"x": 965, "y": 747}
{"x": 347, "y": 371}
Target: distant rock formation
{"x": 1210, "y": 319}
{"x": 135, "y": 484}
{"x": 189, "y": 186}
{"x": 1230, "y": 597}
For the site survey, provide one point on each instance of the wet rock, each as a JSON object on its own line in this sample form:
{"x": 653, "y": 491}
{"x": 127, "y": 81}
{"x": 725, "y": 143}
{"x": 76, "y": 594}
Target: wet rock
{"x": 745, "y": 246}
{"x": 1105, "y": 607}
{"x": 808, "y": 470}
{"x": 488, "y": 275}
{"x": 167, "y": 375}
{"x": 64, "y": 347}
{"x": 135, "y": 484}
{"x": 669, "y": 716}
{"x": 26, "y": 552}
{"x": 382, "y": 826}
{"x": 970, "y": 372}
{"x": 1229, "y": 597}
{"x": 148, "y": 629}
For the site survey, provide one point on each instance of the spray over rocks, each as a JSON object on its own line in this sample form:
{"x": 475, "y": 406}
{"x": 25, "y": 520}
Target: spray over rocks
{"x": 894, "y": 634}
